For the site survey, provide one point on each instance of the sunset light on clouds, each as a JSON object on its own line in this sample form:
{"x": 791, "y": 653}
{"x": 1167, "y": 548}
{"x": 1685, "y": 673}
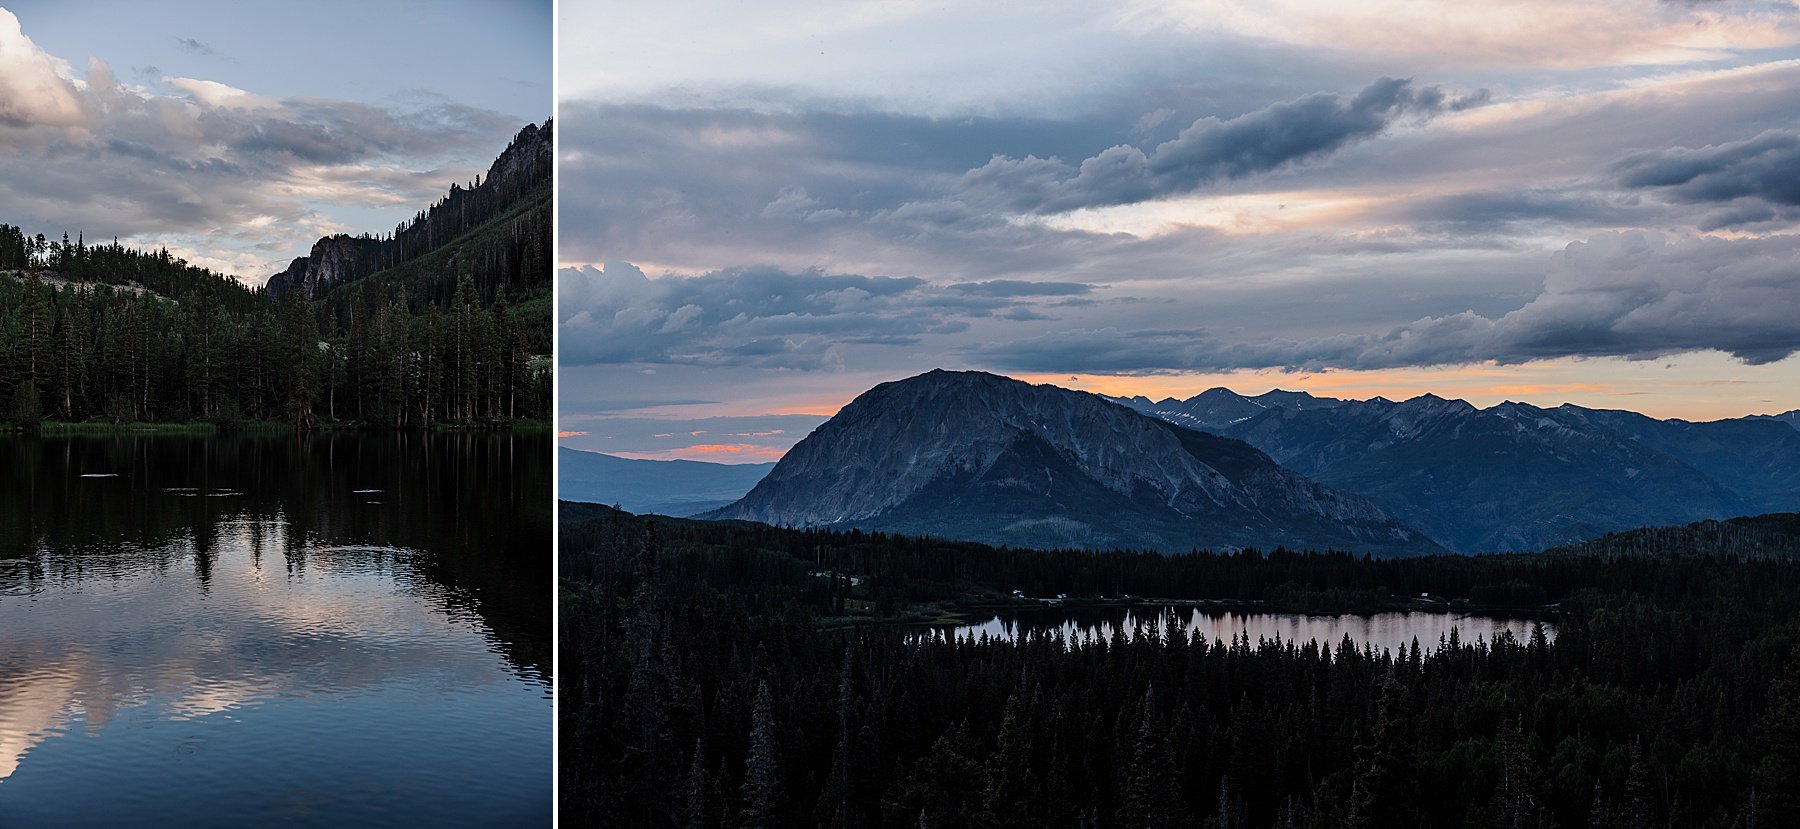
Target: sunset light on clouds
{"x": 1523, "y": 200}
{"x": 187, "y": 129}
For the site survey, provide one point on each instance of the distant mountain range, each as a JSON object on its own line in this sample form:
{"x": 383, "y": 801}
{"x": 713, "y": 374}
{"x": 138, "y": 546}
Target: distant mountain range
{"x": 980, "y": 457}
{"x": 678, "y": 488}
{"x": 1512, "y": 476}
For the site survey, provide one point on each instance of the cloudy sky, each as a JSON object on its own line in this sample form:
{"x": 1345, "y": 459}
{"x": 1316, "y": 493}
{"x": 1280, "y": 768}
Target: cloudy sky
{"x": 768, "y": 208}
{"x": 237, "y": 134}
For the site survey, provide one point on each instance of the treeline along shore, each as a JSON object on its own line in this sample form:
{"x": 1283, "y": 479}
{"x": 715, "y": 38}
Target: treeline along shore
{"x": 105, "y": 336}
{"x": 442, "y": 323}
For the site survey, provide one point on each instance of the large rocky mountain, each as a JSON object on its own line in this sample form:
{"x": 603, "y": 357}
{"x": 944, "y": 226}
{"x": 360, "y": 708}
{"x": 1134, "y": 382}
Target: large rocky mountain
{"x": 1513, "y": 476}
{"x": 678, "y": 488}
{"x": 976, "y": 456}
{"x": 521, "y": 172}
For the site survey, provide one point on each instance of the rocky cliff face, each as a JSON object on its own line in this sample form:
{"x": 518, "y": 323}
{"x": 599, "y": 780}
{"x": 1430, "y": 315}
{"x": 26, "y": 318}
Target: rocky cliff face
{"x": 986, "y": 458}
{"x": 333, "y": 261}
{"x": 525, "y": 165}
{"x": 526, "y": 162}
{"x": 1512, "y": 476}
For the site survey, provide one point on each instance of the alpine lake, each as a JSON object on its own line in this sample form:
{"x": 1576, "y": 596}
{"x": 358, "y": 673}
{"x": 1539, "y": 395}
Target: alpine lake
{"x": 1395, "y": 632}
{"x": 278, "y": 630}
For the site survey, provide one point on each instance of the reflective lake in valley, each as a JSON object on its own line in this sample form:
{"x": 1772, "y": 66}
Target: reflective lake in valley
{"x": 1389, "y": 631}
{"x": 275, "y": 630}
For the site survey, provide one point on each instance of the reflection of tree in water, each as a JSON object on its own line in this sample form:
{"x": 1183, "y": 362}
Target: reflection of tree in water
{"x": 475, "y": 506}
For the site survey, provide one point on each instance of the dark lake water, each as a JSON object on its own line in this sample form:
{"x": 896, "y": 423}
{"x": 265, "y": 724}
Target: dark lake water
{"x": 1383, "y": 631}
{"x": 277, "y": 630}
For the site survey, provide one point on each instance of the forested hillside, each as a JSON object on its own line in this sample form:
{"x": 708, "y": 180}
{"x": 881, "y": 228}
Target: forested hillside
{"x": 716, "y": 674}
{"x": 453, "y": 328}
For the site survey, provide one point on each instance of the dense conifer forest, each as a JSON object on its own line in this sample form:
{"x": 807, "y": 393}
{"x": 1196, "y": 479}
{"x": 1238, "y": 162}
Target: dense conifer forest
{"x": 108, "y": 334}
{"x": 737, "y": 675}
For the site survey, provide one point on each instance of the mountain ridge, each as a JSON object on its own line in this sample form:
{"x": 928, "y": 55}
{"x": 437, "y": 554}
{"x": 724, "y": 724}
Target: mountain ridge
{"x": 1513, "y": 476}
{"x": 987, "y": 458}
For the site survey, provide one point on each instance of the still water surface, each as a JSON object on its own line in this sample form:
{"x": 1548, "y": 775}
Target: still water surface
{"x": 1383, "y": 631}
{"x": 279, "y": 630}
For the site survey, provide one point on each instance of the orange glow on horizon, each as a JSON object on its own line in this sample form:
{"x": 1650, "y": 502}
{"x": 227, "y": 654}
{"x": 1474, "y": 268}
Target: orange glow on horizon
{"x": 817, "y": 405}
{"x": 1691, "y": 387}
{"x": 1478, "y": 382}
{"x": 711, "y": 452}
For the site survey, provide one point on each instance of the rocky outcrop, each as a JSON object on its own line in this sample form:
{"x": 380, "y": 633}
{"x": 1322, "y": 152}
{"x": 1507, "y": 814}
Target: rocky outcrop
{"x": 522, "y": 168}
{"x": 981, "y": 457}
{"x": 334, "y": 260}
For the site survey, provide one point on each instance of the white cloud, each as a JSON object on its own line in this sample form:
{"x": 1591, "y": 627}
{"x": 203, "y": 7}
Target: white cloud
{"x": 215, "y": 94}
{"x": 1497, "y": 32}
{"x": 32, "y": 90}
{"x": 231, "y": 179}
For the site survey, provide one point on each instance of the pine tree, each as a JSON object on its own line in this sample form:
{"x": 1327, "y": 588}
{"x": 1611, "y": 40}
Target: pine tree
{"x": 697, "y": 802}
{"x": 1778, "y": 793}
{"x": 834, "y": 802}
{"x": 762, "y": 775}
{"x": 1147, "y": 791}
{"x": 300, "y": 338}
{"x": 1385, "y": 789}
{"x": 34, "y": 332}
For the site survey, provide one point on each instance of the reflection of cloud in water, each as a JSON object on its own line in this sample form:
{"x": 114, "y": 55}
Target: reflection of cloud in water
{"x": 32, "y": 706}
{"x": 246, "y": 617}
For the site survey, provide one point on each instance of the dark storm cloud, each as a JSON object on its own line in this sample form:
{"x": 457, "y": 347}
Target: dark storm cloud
{"x": 1211, "y": 150}
{"x": 1626, "y": 295}
{"x": 1765, "y": 167}
{"x": 757, "y": 316}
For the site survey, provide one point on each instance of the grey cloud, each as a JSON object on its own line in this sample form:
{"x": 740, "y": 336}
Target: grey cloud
{"x": 1630, "y": 295}
{"x": 159, "y": 164}
{"x": 1211, "y": 150}
{"x": 1765, "y": 167}
{"x": 1021, "y": 287}
{"x": 188, "y": 44}
{"x": 1107, "y": 350}
{"x": 700, "y": 189}
{"x": 1569, "y": 204}
{"x": 758, "y": 316}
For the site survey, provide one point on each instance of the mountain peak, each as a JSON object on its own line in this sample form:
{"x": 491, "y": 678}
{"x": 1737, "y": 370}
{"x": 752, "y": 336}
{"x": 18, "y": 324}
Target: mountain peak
{"x": 1434, "y": 402}
{"x": 990, "y": 458}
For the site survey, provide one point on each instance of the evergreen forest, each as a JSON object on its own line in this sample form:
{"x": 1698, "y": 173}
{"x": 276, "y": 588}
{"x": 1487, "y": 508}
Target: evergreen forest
{"x": 729, "y": 674}
{"x": 448, "y": 324}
